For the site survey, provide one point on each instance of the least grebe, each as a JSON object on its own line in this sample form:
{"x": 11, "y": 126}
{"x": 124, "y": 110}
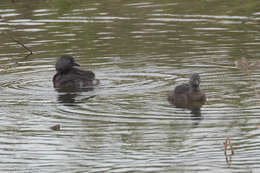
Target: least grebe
{"x": 68, "y": 76}
{"x": 188, "y": 95}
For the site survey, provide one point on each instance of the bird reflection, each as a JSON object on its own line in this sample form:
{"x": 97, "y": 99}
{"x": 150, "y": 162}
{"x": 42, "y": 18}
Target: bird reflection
{"x": 195, "y": 112}
{"x": 68, "y": 97}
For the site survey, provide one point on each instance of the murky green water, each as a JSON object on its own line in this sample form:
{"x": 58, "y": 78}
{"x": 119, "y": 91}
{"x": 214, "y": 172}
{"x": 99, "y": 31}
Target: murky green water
{"x": 139, "y": 51}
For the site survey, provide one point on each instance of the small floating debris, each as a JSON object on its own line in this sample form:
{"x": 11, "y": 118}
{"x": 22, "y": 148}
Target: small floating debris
{"x": 228, "y": 156}
{"x": 226, "y": 144}
{"x": 245, "y": 67}
{"x": 242, "y": 65}
{"x": 56, "y": 127}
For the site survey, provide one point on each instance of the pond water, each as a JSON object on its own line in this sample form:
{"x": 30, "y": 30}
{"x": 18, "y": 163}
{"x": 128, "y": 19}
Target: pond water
{"x": 140, "y": 51}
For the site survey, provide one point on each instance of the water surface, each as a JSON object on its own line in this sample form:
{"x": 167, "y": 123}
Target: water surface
{"x": 140, "y": 51}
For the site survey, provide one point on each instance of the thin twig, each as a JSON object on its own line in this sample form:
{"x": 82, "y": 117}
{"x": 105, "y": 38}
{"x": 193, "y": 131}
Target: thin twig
{"x": 21, "y": 43}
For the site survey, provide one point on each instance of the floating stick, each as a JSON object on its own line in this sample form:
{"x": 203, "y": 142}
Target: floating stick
{"x": 21, "y": 43}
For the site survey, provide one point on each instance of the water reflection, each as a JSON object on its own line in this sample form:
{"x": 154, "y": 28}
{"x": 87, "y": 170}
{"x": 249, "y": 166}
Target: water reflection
{"x": 228, "y": 160}
{"x": 195, "y": 111}
{"x": 68, "y": 96}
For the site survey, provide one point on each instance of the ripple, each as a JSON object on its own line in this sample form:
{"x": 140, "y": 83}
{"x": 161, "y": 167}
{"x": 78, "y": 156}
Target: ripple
{"x": 178, "y": 20}
{"x": 210, "y": 29}
{"x": 24, "y": 22}
{"x": 71, "y": 21}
